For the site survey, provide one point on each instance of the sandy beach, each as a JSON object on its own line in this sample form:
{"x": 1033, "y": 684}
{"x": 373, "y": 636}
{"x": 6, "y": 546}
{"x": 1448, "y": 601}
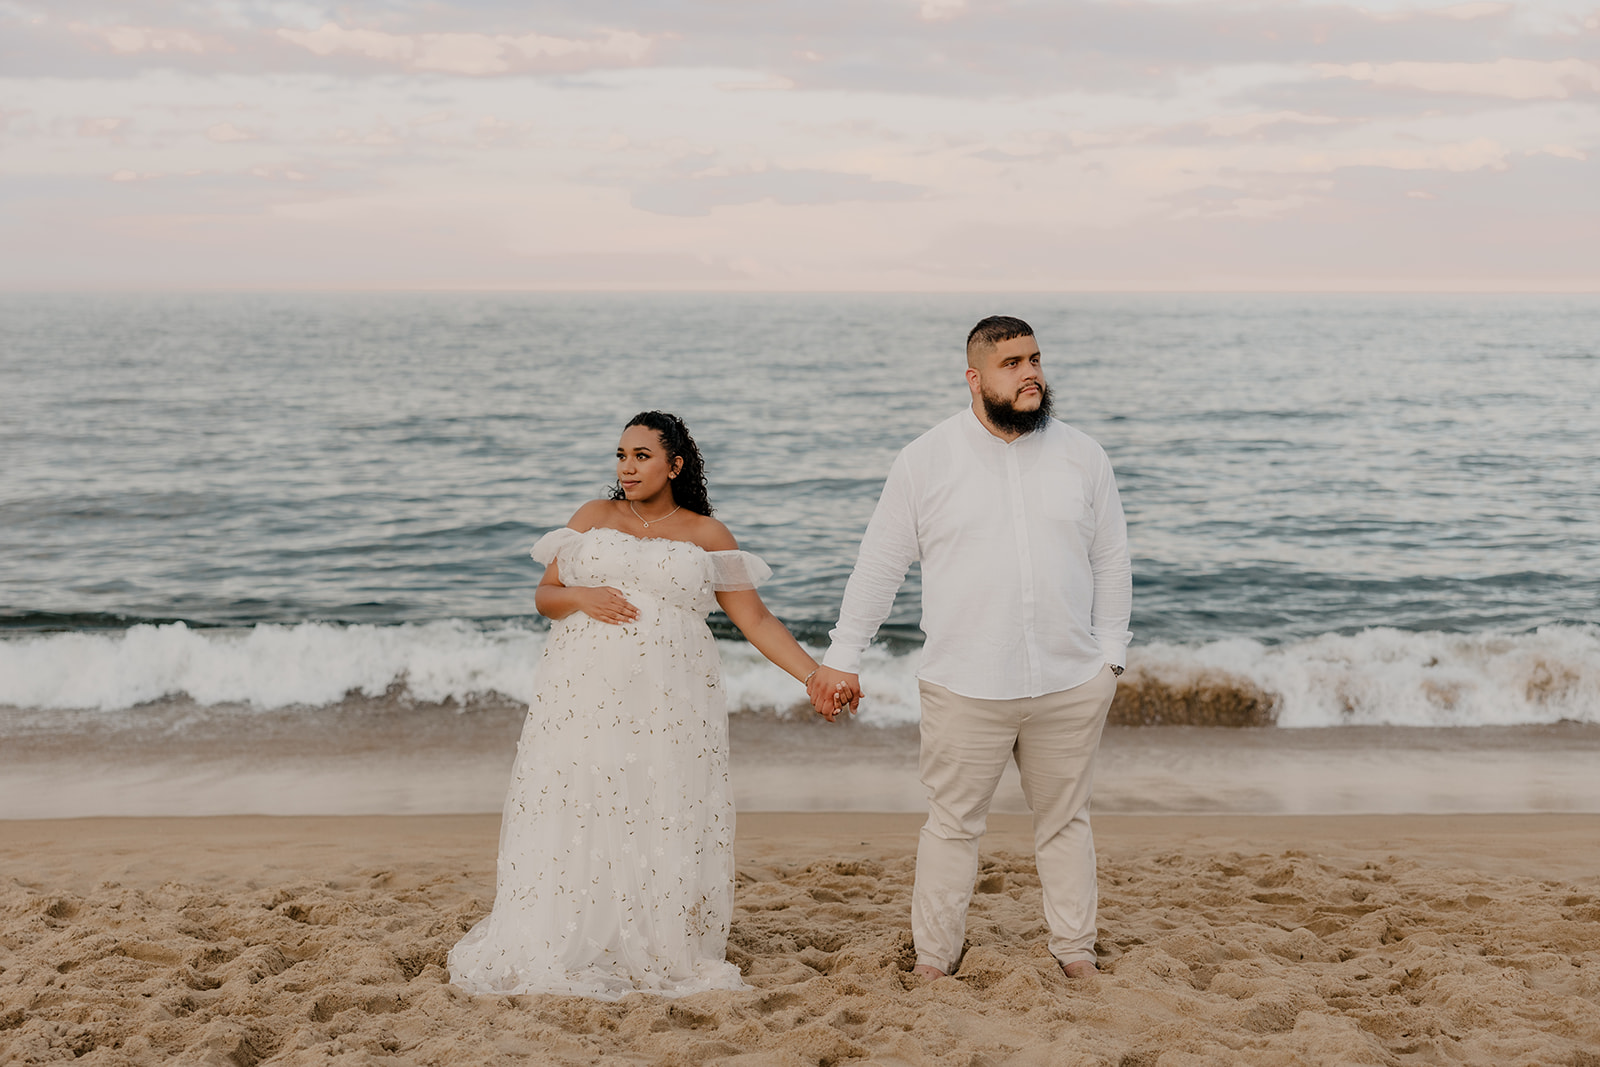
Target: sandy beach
{"x": 1224, "y": 939}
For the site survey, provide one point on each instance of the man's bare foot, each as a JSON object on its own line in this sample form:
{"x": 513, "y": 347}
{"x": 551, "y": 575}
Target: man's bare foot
{"x": 923, "y": 970}
{"x": 1080, "y": 969}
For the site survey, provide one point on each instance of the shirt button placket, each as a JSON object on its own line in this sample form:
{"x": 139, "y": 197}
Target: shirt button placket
{"x": 1019, "y": 524}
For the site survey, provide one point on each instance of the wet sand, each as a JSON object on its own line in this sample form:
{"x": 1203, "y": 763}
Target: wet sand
{"x": 1224, "y": 939}
{"x": 382, "y": 757}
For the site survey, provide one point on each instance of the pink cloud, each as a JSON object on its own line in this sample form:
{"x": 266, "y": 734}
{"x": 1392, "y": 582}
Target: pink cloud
{"x": 227, "y": 131}
{"x": 1514, "y": 79}
{"x": 469, "y": 53}
{"x": 1480, "y": 153}
{"x": 131, "y": 40}
{"x": 100, "y": 127}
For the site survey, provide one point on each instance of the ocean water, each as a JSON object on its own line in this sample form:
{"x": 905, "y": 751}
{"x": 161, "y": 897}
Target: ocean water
{"x": 1344, "y": 510}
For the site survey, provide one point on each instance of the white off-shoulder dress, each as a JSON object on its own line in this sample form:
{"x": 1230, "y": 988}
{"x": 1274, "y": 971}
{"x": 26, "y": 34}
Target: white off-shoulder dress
{"x": 616, "y": 845}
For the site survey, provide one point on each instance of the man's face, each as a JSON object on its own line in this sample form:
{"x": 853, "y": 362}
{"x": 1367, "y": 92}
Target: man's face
{"x": 1009, "y": 381}
{"x": 1012, "y": 373}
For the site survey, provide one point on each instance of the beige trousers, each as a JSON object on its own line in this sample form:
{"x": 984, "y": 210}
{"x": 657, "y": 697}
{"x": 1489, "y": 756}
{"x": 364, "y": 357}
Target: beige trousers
{"x": 965, "y": 745}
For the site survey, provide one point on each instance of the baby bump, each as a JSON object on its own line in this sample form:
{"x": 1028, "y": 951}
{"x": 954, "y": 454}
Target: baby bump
{"x": 662, "y": 666}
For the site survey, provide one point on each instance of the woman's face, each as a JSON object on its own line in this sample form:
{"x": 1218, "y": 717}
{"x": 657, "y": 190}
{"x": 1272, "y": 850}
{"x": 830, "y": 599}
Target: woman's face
{"x": 643, "y": 469}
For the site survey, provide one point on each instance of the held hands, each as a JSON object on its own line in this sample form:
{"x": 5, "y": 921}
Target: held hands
{"x": 606, "y": 604}
{"x": 832, "y": 691}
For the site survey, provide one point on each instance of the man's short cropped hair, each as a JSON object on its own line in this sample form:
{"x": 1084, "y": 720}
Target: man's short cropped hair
{"x": 994, "y": 329}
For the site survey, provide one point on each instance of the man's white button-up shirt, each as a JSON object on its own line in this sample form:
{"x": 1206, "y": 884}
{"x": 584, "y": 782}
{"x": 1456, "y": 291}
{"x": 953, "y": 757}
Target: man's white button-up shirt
{"x": 1026, "y": 583}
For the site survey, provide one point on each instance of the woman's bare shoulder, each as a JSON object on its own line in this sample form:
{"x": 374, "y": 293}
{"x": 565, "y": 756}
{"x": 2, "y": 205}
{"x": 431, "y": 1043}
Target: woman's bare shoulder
{"x": 594, "y": 513}
{"x": 711, "y": 535}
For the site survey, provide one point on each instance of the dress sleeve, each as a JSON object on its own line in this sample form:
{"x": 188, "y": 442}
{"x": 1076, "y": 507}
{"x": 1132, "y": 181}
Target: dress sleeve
{"x": 737, "y": 570}
{"x": 551, "y": 544}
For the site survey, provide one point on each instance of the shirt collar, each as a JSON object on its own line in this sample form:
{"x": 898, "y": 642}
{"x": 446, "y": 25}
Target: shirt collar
{"x": 978, "y": 432}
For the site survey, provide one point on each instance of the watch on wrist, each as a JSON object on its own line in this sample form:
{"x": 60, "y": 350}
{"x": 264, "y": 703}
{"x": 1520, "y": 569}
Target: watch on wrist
{"x": 1116, "y": 670}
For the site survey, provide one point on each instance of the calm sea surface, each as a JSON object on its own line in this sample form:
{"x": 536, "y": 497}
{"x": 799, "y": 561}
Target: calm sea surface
{"x": 1303, "y": 475}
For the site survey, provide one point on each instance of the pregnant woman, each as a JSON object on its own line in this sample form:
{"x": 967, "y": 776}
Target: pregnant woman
{"x": 616, "y": 845}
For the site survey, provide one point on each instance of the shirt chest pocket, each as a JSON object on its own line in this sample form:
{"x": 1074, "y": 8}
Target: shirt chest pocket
{"x": 1064, "y": 496}
{"x": 1071, "y": 510}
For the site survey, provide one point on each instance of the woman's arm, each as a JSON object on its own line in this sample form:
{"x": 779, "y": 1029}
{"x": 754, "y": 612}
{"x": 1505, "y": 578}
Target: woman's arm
{"x": 762, "y": 628}
{"x": 556, "y": 601}
{"x": 771, "y": 637}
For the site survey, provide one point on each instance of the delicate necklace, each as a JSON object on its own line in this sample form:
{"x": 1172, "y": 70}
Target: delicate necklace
{"x": 649, "y": 522}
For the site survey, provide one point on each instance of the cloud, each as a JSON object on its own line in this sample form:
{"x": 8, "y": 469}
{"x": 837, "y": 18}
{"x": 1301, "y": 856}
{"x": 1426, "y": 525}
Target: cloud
{"x": 980, "y": 50}
{"x": 1470, "y": 11}
{"x": 770, "y": 84}
{"x": 929, "y": 47}
{"x": 100, "y": 127}
{"x": 286, "y": 173}
{"x": 1258, "y": 127}
{"x": 470, "y": 53}
{"x": 1565, "y": 151}
{"x": 1256, "y": 124}
{"x": 938, "y": 10}
{"x": 1484, "y": 229}
{"x": 1035, "y": 146}
{"x": 1480, "y": 153}
{"x": 1215, "y": 126}
{"x": 1272, "y": 197}
{"x": 224, "y": 132}
{"x": 697, "y": 195}
{"x": 131, "y": 40}
{"x": 1512, "y": 79}
{"x": 381, "y": 135}
{"x": 8, "y": 116}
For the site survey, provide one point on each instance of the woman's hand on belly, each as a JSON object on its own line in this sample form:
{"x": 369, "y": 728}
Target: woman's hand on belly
{"x": 604, "y": 603}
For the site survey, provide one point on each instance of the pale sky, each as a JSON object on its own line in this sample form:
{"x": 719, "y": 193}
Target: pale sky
{"x": 800, "y": 144}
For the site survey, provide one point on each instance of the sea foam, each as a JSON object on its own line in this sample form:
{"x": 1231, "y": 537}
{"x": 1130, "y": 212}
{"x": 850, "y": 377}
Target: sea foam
{"x": 1375, "y": 677}
{"x": 1390, "y": 677}
{"x": 267, "y": 666}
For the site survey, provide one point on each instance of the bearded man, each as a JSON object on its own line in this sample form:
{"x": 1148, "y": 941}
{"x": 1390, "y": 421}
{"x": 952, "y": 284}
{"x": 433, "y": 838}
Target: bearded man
{"x": 1026, "y": 595}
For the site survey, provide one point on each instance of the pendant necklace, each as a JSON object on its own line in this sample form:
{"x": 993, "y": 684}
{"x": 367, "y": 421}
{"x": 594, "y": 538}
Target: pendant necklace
{"x": 649, "y": 522}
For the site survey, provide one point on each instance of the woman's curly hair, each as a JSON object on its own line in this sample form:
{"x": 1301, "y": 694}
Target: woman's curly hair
{"x": 689, "y": 487}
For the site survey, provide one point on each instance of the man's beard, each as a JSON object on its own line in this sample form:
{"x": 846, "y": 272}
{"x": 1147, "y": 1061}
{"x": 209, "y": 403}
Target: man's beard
{"x": 1006, "y": 418}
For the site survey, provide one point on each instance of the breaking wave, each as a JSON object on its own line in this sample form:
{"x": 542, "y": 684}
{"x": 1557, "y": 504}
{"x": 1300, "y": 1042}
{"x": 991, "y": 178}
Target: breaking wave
{"x": 1374, "y": 677}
